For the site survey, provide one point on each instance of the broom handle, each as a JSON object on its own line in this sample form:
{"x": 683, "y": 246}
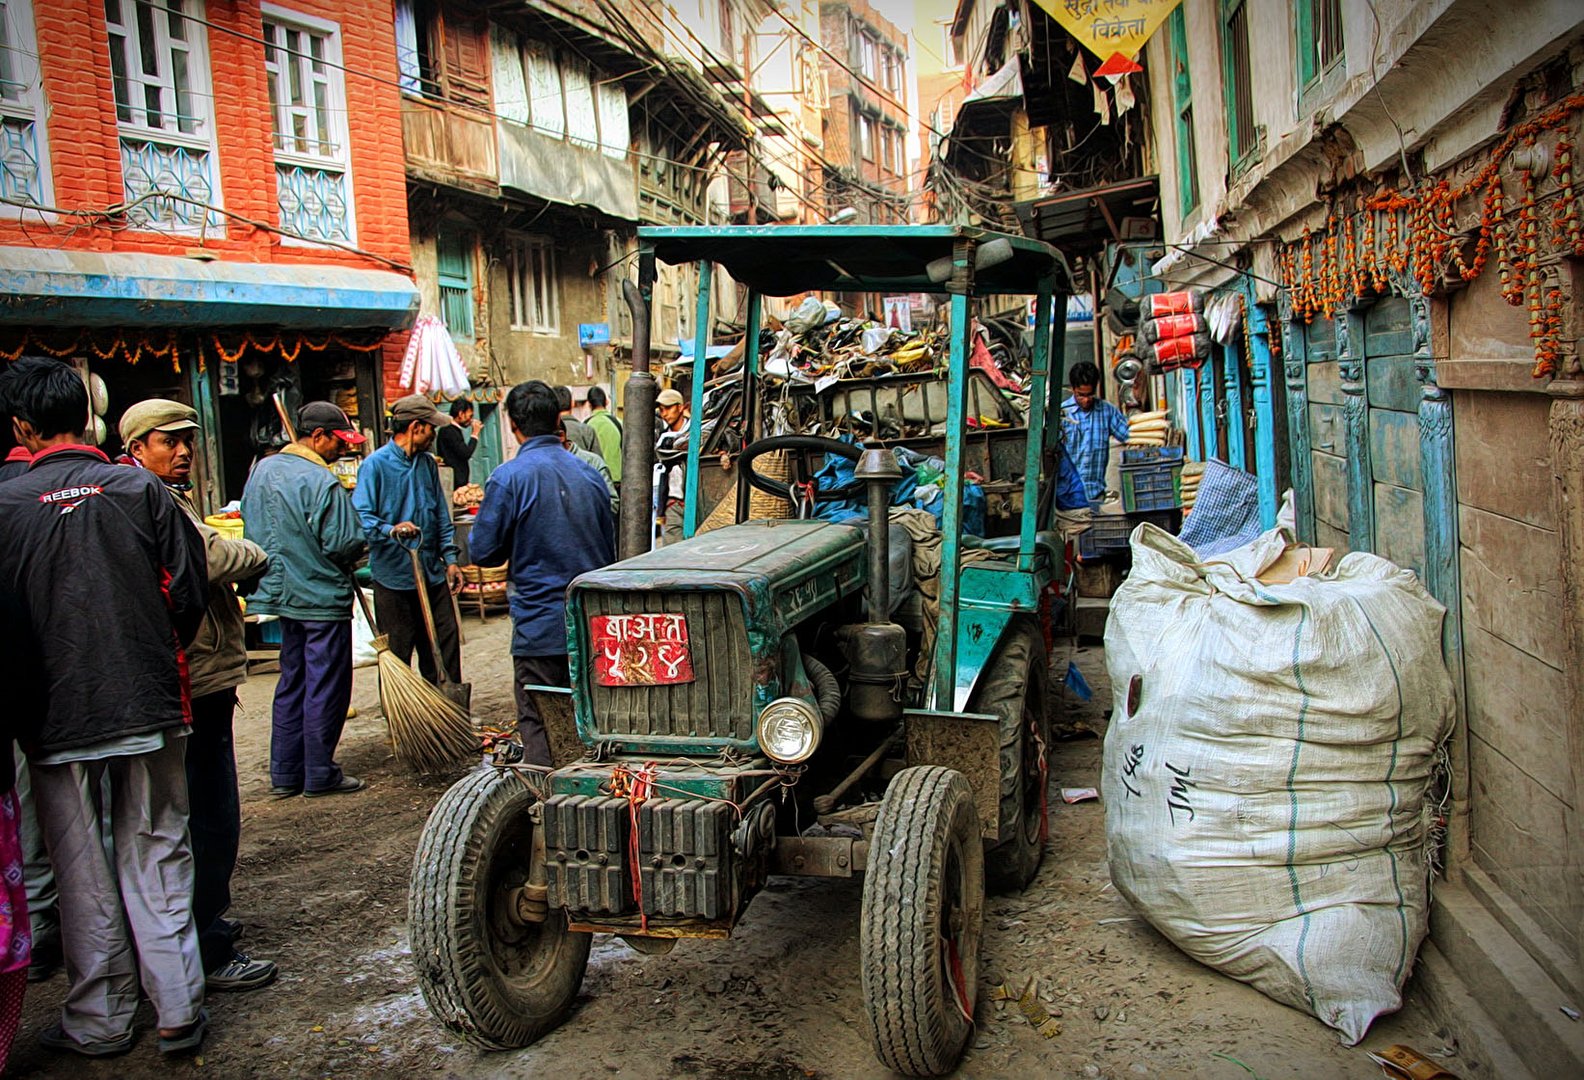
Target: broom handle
{"x": 422, "y": 584}
{"x": 363, "y": 603}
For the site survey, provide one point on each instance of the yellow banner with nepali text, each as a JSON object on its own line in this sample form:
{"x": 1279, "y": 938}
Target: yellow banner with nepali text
{"x": 1114, "y": 30}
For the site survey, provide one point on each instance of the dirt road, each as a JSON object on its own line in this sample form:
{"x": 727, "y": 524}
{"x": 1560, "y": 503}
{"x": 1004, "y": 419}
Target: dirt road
{"x": 322, "y": 889}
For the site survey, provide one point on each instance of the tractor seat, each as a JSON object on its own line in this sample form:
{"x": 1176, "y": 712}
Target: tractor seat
{"x": 1047, "y": 545}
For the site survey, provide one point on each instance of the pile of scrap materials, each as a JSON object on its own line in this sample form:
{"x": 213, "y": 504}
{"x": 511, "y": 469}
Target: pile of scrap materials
{"x": 816, "y": 342}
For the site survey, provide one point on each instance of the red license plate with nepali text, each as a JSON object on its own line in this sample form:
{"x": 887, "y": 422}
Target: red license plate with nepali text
{"x": 640, "y": 650}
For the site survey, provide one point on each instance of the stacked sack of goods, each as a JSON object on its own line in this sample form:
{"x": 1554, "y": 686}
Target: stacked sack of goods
{"x": 1172, "y": 331}
{"x": 1192, "y": 473}
{"x": 1148, "y": 429}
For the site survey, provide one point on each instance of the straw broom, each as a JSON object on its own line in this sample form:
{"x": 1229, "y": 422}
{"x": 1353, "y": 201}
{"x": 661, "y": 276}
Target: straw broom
{"x": 428, "y": 730}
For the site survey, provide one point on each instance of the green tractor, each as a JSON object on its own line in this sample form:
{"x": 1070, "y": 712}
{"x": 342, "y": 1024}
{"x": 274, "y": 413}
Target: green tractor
{"x": 784, "y": 697}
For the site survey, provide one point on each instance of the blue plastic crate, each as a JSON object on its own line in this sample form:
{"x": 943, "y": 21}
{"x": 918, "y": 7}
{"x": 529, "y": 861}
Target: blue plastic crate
{"x": 270, "y": 632}
{"x": 1109, "y": 532}
{"x": 1149, "y": 487}
{"x": 1151, "y": 455}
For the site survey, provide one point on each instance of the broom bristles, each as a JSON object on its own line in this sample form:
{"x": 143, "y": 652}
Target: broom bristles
{"x": 428, "y": 730}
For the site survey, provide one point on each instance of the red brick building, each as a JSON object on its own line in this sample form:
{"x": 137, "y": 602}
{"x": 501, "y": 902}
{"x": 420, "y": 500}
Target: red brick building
{"x": 206, "y": 201}
{"x": 866, "y": 123}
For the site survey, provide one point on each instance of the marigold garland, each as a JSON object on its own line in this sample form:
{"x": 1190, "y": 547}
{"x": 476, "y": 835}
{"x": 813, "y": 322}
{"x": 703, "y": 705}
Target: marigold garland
{"x": 1433, "y": 242}
{"x": 289, "y": 346}
{"x": 63, "y": 344}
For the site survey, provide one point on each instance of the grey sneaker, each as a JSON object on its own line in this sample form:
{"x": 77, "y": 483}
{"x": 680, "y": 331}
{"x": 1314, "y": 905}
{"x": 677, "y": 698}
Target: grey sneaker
{"x": 242, "y": 972}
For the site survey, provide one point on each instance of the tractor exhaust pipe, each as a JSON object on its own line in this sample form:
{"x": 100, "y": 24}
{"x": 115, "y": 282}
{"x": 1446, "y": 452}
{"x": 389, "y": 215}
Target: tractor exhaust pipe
{"x": 877, "y": 650}
{"x": 636, "y": 534}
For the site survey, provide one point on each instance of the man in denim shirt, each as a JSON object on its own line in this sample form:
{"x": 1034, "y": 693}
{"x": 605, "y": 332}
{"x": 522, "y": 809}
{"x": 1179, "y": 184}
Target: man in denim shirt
{"x": 548, "y": 516}
{"x": 399, "y": 500}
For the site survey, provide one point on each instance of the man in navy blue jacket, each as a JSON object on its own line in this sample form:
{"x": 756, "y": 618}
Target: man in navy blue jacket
{"x": 548, "y": 515}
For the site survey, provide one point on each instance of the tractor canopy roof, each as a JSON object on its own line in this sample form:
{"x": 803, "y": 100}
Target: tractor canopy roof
{"x": 781, "y": 260}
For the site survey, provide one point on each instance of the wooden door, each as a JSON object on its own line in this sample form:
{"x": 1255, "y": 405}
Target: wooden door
{"x": 1391, "y": 394}
{"x": 1327, "y": 434}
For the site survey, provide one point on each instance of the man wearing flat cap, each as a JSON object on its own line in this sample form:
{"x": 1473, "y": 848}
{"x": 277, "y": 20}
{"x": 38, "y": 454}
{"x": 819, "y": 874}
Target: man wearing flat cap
{"x": 158, "y": 435}
{"x": 297, "y": 510}
{"x": 403, "y": 508}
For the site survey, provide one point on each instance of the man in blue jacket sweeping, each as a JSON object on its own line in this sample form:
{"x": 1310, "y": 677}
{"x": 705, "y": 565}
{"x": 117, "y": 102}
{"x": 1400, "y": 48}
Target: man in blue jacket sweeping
{"x": 297, "y": 511}
{"x": 399, "y": 500}
{"x": 548, "y": 516}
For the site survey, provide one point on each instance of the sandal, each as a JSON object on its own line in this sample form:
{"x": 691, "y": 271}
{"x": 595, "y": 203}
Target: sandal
{"x": 188, "y": 1039}
{"x": 55, "y": 1038}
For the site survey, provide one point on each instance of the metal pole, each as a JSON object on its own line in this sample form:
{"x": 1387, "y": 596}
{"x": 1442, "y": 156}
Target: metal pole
{"x": 961, "y": 287}
{"x": 1034, "y": 452}
{"x": 701, "y": 337}
{"x": 638, "y": 404}
{"x": 879, "y": 590}
{"x": 750, "y": 384}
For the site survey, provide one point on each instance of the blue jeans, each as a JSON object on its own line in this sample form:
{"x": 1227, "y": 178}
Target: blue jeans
{"x": 311, "y": 703}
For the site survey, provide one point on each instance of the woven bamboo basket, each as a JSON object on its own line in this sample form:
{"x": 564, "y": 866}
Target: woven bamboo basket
{"x": 761, "y": 507}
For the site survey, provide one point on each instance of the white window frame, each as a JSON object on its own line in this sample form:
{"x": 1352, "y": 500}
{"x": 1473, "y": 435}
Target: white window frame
{"x": 128, "y": 38}
{"x": 339, "y": 133}
{"x": 532, "y": 285}
{"x": 27, "y": 105}
{"x": 196, "y": 48}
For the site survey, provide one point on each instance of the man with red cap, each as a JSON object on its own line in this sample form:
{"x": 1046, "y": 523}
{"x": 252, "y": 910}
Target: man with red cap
{"x": 297, "y": 511}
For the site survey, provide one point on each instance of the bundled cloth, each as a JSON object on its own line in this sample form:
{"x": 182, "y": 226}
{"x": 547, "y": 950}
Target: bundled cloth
{"x": 1173, "y": 333}
{"x": 1225, "y": 510}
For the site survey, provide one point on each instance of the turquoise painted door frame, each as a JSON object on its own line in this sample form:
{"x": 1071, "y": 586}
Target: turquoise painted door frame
{"x": 1188, "y": 402}
{"x": 1231, "y": 415}
{"x": 1260, "y": 376}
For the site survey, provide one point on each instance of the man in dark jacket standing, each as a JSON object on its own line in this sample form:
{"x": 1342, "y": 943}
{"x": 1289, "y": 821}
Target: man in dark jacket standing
{"x": 548, "y": 516}
{"x": 297, "y": 511}
{"x": 457, "y": 440}
{"x": 158, "y": 435}
{"x": 109, "y": 585}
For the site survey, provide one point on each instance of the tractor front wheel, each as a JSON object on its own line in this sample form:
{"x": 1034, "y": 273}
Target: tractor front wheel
{"x": 923, "y": 911}
{"x": 489, "y": 972}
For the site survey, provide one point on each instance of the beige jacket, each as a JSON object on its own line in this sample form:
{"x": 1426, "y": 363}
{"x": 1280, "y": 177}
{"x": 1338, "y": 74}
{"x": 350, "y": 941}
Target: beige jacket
{"x": 217, "y": 658}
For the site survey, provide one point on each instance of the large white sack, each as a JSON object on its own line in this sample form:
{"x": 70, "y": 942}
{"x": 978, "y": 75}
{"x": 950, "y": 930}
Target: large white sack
{"x": 1265, "y": 797}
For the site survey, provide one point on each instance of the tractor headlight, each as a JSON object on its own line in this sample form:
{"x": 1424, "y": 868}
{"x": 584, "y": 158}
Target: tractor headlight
{"x": 788, "y": 730}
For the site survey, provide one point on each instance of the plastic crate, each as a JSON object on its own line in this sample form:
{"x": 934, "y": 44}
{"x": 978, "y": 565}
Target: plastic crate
{"x": 1151, "y": 455}
{"x": 1109, "y": 533}
{"x": 1152, "y": 485}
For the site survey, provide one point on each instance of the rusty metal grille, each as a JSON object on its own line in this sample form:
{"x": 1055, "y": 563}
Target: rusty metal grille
{"x": 717, "y": 704}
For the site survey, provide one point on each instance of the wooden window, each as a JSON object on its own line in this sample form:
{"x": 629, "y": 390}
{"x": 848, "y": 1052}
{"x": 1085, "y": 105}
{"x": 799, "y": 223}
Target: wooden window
{"x": 1319, "y": 26}
{"x": 866, "y": 137}
{"x": 454, "y": 273}
{"x": 415, "y": 60}
{"x": 25, "y": 162}
{"x": 159, "y": 68}
{"x": 1182, "y": 110}
{"x": 531, "y": 280}
{"x": 302, "y": 58}
{"x": 1237, "y": 76}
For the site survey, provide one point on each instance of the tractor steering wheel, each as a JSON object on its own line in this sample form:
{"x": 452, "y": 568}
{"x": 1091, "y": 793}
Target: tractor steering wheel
{"x": 783, "y": 490}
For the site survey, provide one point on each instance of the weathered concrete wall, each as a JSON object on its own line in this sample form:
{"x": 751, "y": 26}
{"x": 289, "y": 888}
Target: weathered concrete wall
{"x": 1522, "y": 783}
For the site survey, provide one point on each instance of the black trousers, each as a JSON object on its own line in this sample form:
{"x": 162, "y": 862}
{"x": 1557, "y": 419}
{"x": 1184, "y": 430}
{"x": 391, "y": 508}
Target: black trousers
{"x": 214, "y": 821}
{"x": 536, "y": 671}
{"x": 400, "y": 618}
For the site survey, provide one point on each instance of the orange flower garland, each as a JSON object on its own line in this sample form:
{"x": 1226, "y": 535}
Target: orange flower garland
{"x": 1362, "y": 264}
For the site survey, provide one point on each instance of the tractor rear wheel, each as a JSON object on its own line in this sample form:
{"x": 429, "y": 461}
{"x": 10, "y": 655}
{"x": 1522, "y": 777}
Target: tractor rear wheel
{"x": 1013, "y": 689}
{"x": 923, "y": 911}
{"x": 489, "y": 974}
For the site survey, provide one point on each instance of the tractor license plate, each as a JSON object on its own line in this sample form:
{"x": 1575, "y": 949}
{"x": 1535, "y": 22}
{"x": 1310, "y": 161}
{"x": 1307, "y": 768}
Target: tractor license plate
{"x": 641, "y": 650}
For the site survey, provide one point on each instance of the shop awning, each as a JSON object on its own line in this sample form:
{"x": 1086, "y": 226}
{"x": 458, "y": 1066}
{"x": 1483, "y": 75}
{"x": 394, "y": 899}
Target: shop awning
{"x": 42, "y": 287}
